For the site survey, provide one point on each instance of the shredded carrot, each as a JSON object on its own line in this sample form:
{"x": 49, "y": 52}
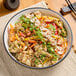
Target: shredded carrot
{"x": 12, "y": 38}
{"x": 22, "y": 44}
{"x": 44, "y": 17}
{"x": 32, "y": 41}
{"x": 33, "y": 45}
{"x": 12, "y": 33}
{"x": 47, "y": 26}
{"x": 66, "y": 44}
{"x": 11, "y": 29}
{"x": 11, "y": 26}
{"x": 62, "y": 55}
{"x": 56, "y": 51}
{"x": 28, "y": 38}
{"x": 47, "y": 60}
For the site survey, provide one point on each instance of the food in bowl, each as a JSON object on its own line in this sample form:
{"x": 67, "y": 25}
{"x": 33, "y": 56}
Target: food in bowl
{"x": 38, "y": 40}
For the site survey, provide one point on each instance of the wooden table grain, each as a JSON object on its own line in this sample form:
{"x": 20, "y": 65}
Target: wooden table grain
{"x": 65, "y": 68}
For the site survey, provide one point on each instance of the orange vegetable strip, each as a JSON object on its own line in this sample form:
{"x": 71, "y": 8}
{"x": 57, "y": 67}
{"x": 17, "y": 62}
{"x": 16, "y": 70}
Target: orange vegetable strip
{"x": 12, "y": 38}
{"x": 32, "y": 41}
{"x": 33, "y": 45}
{"x": 47, "y": 60}
{"x": 12, "y": 34}
{"x": 47, "y": 26}
{"x": 11, "y": 29}
{"x": 63, "y": 54}
{"x": 56, "y": 51}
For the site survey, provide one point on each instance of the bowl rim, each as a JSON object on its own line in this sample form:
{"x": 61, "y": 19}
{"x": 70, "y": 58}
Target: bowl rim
{"x": 27, "y": 65}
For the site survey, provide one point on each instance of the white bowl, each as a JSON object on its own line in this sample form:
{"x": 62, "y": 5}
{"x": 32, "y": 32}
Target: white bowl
{"x": 46, "y": 12}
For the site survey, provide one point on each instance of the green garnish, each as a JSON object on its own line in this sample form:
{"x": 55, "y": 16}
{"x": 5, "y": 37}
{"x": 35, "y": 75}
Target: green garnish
{"x": 44, "y": 43}
{"x": 55, "y": 56}
{"x": 52, "y": 27}
{"x": 48, "y": 43}
{"x": 63, "y": 33}
{"x": 31, "y": 29}
{"x": 42, "y": 56}
{"x": 25, "y": 25}
{"x": 31, "y": 25}
{"x": 38, "y": 33}
{"x": 35, "y": 27}
{"x": 27, "y": 20}
{"x": 36, "y": 61}
{"x": 55, "y": 59}
{"x": 21, "y": 17}
{"x": 50, "y": 50}
{"x": 38, "y": 29}
{"x": 59, "y": 23}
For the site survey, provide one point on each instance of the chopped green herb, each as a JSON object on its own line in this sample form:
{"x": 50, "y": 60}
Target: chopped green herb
{"x": 42, "y": 56}
{"x": 52, "y": 27}
{"x": 55, "y": 59}
{"x": 48, "y": 43}
{"x": 25, "y": 25}
{"x": 31, "y": 29}
{"x": 48, "y": 46}
{"x": 63, "y": 33}
{"x": 35, "y": 27}
{"x": 31, "y": 25}
{"x": 50, "y": 50}
{"x": 38, "y": 33}
{"x": 21, "y": 17}
{"x": 44, "y": 43}
{"x": 27, "y": 20}
{"x": 38, "y": 29}
{"x": 55, "y": 56}
{"x": 36, "y": 61}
